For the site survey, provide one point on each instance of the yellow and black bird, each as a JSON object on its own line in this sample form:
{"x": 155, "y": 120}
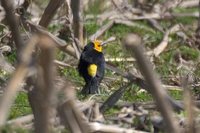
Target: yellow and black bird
{"x": 91, "y": 66}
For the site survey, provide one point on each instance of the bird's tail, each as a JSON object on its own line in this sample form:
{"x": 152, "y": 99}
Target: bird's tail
{"x": 91, "y": 87}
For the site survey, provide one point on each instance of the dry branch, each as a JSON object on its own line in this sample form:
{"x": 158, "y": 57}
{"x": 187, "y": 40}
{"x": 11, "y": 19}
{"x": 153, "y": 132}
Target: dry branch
{"x": 119, "y": 59}
{"x": 197, "y": 36}
{"x": 133, "y": 43}
{"x": 161, "y": 47}
{"x": 170, "y": 4}
{"x": 13, "y": 86}
{"x": 61, "y": 44}
{"x": 50, "y": 11}
{"x": 98, "y": 127}
{"x": 77, "y": 9}
{"x": 110, "y": 102}
{"x": 155, "y": 24}
{"x": 21, "y": 120}
{"x": 189, "y": 3}
{"x": 102, "y": 30}
{"x": 42, "y": 95}
{"x": 13, "y": 24}
{"x": 141, "y": 83}
{"x": 60, "y": 63}
{"x": 189, "y": 104}
{"x": 69, "y": 113}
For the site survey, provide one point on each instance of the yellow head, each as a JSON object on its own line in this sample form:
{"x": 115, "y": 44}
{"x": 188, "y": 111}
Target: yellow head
{"x": 97, "y": 45}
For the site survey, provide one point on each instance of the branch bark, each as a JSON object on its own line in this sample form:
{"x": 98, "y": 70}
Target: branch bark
{"x": 133, "y": 44}
{"x": 50, "y": 12}
{"x": 13, "y": 86}
{"x": 42, "y": 96}
{"x": 13, "y": 24}
{"x": 77, "y": 9}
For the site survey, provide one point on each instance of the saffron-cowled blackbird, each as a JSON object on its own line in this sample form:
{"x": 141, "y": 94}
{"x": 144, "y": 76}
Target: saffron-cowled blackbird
{"x": 91, "y": 66}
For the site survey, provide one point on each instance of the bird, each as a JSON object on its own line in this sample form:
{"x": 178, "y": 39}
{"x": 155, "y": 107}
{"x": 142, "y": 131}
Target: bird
{"x": 92, "y": 66}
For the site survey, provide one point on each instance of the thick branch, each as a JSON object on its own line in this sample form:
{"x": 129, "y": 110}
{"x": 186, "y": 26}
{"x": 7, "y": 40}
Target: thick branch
{"x": 50, "y": 12}
{"x": 133, "y": 43}
{"x": 14, "y": 24}
{"x": 13, "y": 86}
{"x": 76, "y": 6}
{"x": 41, "y": 96}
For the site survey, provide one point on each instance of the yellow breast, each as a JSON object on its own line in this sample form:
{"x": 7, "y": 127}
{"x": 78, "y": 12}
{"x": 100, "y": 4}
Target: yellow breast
{"x": 92, "y": 70}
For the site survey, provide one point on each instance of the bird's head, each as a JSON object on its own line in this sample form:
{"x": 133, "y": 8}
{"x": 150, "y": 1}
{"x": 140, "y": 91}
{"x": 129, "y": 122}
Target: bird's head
{"x": 97, "y": 45}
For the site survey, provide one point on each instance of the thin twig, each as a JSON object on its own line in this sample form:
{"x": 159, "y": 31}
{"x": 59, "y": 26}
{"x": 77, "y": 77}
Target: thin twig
{"x": 101, "y": 30}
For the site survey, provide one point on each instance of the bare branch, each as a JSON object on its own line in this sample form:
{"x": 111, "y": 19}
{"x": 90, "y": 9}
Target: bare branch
{"x": 133, "y": 43}
{"x": 21, "y": 120}
{"x": 110, "y": 102}
{"x": 13, "y": 86}
{"x": 61, "y": 44}
{"x": 189, "y": 103}
{"x": 102, "y": 30}
{"x": 69, "y": 113}
{"x": 50, "y": 11}
{"x": 42, "y": 96}
{"x": 189, "y": 3}
{"x": 97, "y": 127}
{"x": 14, "y": 24}
{"x": 77, "y": 9}
{"x": 160, "y": 48}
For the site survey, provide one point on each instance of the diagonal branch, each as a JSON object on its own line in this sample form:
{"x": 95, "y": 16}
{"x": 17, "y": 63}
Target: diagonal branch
{"x": 133, "y": 44}
{"x": 17, "y": 78}
{"x": 50, "y": 12}
{"x": 110, "y": 102}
